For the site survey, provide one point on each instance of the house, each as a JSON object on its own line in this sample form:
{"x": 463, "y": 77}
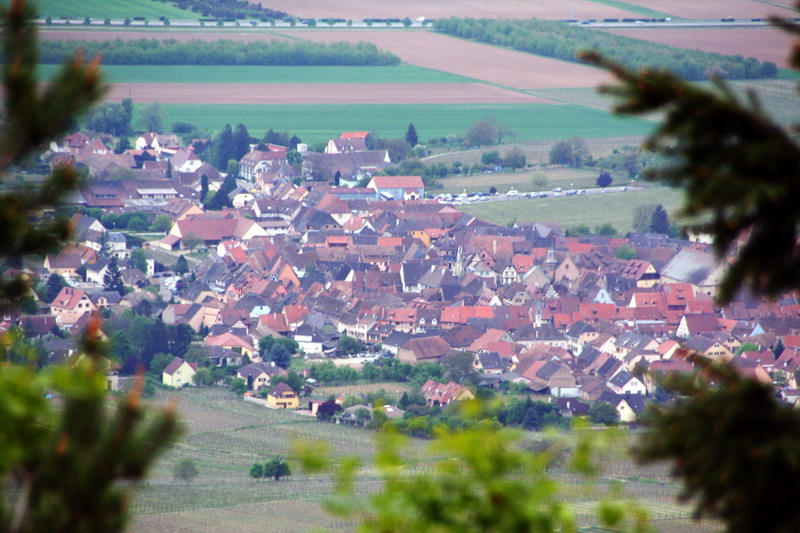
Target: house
{"x": 237, "y": 343}
{"x": 436, "y": 393}
{"x": 629, "y": 406}
{"x": 702, "y": 270}
{"x": 70, "y": 305}
{"x": 282, "y": 396}
{"x": 211, "y": 231}
{"x": 424, "y": 349}
{"x": 625, "y": 383}
{"x": 257, "y": 161}
{"x": 258, "y": 375}
{"x": 178, "y": 373}
{"x": 397, "y": 187}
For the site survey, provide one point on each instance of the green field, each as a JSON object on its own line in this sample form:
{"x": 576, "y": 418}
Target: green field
{"x": 521, "y": 180}
{"x": 260, "y": 74}
{"x": 315, "y": 123}
{"x": 109, "y": 8}
{"x": 614, "y": 208}
{"x": 633, "y": 8}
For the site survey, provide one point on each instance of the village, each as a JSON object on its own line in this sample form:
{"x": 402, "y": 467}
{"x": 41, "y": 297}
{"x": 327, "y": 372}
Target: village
{"x": 340, "y": 260}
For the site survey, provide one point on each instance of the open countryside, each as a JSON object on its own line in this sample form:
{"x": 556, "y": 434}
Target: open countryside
{"x": 303, "y": 255}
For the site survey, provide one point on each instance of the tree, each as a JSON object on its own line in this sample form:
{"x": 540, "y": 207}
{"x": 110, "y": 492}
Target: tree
{"x": 407, "y": 24}
{"x": 515, "y": 158}
{"x": 112, "y": 281}
{"x": 181, "y": 266}
{"x": 411, "y": 136}
{"x": 659, "y": 221}
{"x": 480, "y": 133}
{"x": 241, "y": 142}
{"x": 626, "y": 253}
{"x": 603, "y": 413}
{"x": 192, "y": 241}
{"x": 748, "y": 347}
{"x": 203, "y": 187}
{"x": 642, "y": 217}
{"x": 348, "y": 345}
{"x": 604, "y": 179}
{"x": 162, "y": 224}
{"x": 139, "y": 259}
{"x": 238, "y": 386}
{"x": 185, "y": 470}
{"x": 54, "y": 285}
{"x": 50, "y": 453}
{"x": 152, "y": 117}
{"x": 561, "y": 153}
{"x": 731, "y": 441}
{"x": 491, "y": 158}
{"x": 277, "y": 468}
{"x": 159, "y": 362}
{"x": 606, "y": 229}
{"x": 257, "y": 471}
{"x": 111, "y": 118}
{"x": 539, "y": 181}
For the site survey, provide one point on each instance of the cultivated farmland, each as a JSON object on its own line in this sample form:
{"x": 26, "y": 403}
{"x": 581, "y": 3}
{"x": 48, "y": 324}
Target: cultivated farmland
{"x": 109, "y": 8}
{"x": 221, "y": 74}
{"x": 225, "y": 435}
{"x": 473, "y": 60}
{"x": 319, "y": 93}
{"x": 694, "y": 9}
{"x": 361, "y": 9}
{"x": 763, "y": 43}
{"x": 315, "y": 123}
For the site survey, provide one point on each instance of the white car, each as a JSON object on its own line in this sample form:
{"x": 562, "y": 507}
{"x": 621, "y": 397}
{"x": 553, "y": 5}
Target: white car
{"x": 512, "y": 192}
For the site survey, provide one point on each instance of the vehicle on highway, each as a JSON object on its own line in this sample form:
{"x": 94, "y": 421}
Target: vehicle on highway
{"x": 512, "y": 192}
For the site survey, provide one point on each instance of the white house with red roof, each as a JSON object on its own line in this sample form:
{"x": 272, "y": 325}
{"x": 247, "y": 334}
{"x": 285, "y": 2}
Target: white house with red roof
{"x": 70, "y": 305}
{"x": 397, "y": 187}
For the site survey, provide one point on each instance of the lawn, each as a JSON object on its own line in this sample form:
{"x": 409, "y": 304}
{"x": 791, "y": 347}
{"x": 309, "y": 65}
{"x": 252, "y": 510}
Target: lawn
{"x": 260, "y": 74}
{"x": 109, "y": 8}
{"x": 614, "y": 208}
{"x": 315, "y": 123}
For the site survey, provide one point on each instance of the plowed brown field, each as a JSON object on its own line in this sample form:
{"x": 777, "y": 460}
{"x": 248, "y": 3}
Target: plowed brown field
{"x": 361, "y": 9}
{"x": 474, "y": 60}
{"x": 765, "y": 44}
{"x": 711, "y": 9}
{"x": 294, "y": 93}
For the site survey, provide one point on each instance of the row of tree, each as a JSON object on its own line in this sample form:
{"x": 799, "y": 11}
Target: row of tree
{"x": 221, "y": 52}
{"x": 227, "y": 9}
{"x": 275, "y": 468}
{"x": 561, "y": 40}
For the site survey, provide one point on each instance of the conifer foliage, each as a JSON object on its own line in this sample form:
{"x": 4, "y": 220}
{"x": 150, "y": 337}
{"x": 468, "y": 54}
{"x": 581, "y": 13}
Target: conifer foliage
{"x": 66, "y": 467}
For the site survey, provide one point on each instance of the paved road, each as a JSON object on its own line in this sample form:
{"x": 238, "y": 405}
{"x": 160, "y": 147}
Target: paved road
{"x": 117, "y": 23}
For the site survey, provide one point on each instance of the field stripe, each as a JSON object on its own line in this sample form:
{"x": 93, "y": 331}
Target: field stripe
{"x": 304, "y": 93}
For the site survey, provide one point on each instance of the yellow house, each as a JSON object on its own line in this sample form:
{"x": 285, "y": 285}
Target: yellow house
{"x": 179, "y": 373}
{"x": 282, "y": 396}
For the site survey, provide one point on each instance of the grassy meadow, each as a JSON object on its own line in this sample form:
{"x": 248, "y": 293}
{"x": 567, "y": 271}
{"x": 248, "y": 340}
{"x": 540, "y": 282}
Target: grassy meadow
{"x": 109, "y": 8}
{"x": 615, "y": 208}
{"x": 261, "y": 74}
{"x": 224, "y": 436}
{"x": 522, "y": 180}
{"x": 315, "y": 123}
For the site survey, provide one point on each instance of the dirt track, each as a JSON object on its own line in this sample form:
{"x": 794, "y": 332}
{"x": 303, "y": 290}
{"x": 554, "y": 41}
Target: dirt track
{"x": 294, "y": 93}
